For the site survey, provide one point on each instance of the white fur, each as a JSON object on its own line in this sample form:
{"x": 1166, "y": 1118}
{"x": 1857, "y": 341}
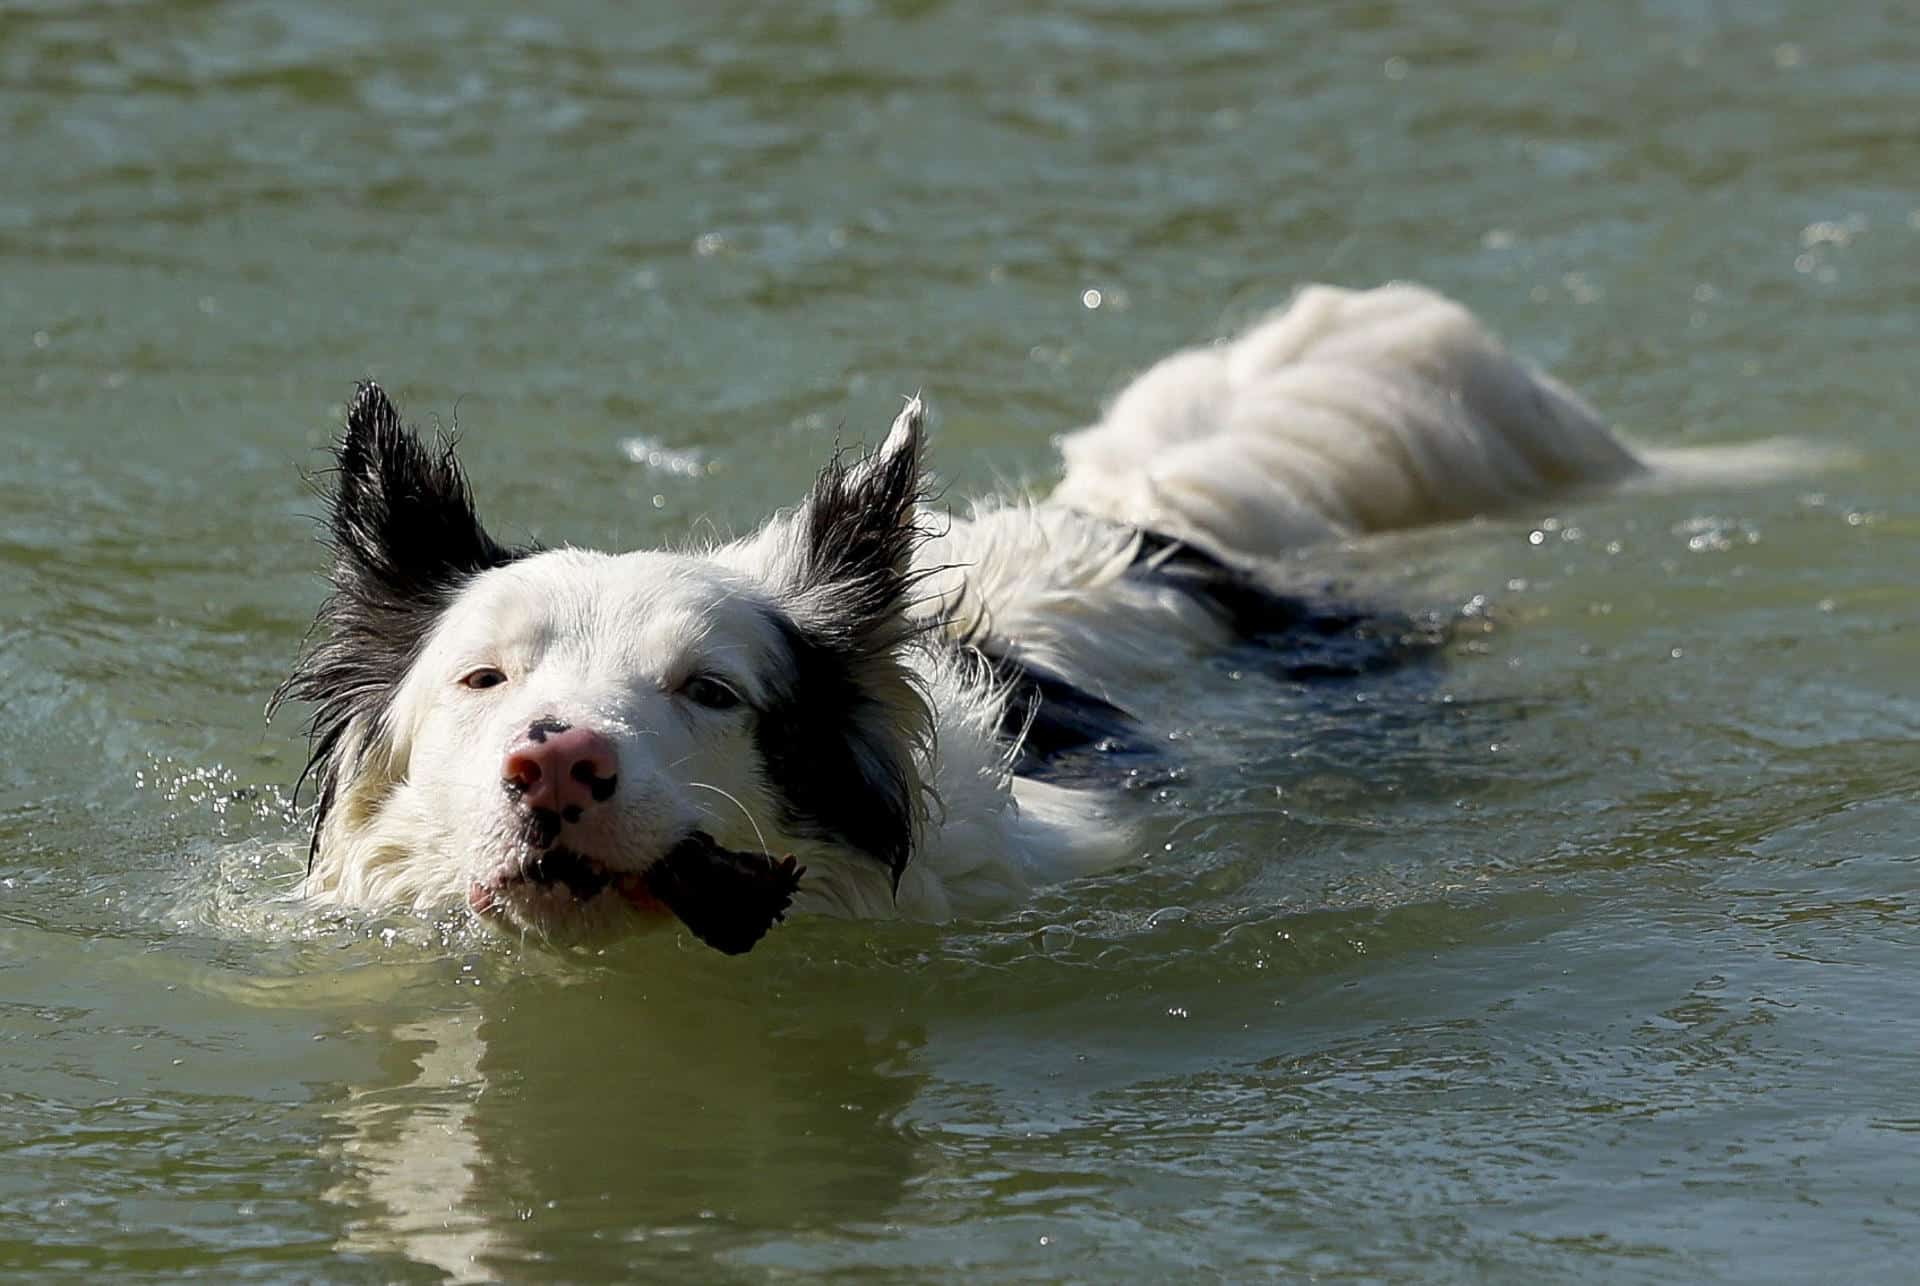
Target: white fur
{"x": 1348, "y": 412}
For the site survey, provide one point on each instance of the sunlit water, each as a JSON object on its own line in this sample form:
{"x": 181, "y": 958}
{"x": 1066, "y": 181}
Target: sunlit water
{"x": 1590, "y": 952}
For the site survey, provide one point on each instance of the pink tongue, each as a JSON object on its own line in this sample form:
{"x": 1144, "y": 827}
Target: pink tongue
{"x": 480, "y": 898}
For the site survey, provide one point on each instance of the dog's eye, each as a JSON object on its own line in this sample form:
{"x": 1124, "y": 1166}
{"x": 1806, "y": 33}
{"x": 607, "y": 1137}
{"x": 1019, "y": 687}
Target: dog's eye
{"x": 484, "y": 677}
{"x": 708, "y": 691}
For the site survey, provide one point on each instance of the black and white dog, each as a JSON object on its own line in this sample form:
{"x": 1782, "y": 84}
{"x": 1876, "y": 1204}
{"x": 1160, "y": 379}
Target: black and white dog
{"x": 854, "y": 709}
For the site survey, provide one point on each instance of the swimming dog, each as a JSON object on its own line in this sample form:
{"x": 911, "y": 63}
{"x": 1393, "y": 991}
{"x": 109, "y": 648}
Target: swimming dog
{"x": 866, "y": 707}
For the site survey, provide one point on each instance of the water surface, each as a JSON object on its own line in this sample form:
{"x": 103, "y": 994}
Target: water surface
{"x": 1591, "y": 954}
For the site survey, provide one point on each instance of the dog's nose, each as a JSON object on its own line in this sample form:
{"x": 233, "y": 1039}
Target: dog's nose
{"x": 562, "y": 769}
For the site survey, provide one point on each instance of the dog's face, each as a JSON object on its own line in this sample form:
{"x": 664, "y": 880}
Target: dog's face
{"x": 575, "y": 716}
{"x": 543, "y": 734}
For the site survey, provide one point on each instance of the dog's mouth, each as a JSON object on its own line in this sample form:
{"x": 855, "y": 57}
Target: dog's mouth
{"x": 559, "y": 874}
{"x": 582, "y": 876}
{"x": 726, "y": 898}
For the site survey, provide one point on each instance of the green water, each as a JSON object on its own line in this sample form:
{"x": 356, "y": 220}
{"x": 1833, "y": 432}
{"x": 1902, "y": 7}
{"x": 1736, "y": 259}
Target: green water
{"x": 1593, "y": 956}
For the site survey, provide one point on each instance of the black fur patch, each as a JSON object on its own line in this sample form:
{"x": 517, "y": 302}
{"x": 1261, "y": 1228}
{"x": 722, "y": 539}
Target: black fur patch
{"x": 405, "y": 539}
{"x": 838, "y": 743}
{"x": 839, "y": 766}
{"x": 1069, "y": 735}
{"x": 1056, "y": 722}
{"x": 1297, "y": 636}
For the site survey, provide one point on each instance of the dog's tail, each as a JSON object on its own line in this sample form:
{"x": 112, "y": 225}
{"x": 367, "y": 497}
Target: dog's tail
{"x": 1351, "y": 412}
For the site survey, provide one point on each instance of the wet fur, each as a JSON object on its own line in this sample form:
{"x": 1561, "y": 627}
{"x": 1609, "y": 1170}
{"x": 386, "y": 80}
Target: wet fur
{"x": 907, "y": 683}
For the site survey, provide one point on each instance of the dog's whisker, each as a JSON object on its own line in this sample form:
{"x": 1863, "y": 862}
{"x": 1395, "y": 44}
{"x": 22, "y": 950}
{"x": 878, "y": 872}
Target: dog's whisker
{"x": 757, "y": 833}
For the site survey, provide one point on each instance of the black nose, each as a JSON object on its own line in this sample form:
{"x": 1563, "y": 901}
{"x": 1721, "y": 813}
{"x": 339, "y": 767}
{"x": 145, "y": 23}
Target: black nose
{"x": 540, "y": 729}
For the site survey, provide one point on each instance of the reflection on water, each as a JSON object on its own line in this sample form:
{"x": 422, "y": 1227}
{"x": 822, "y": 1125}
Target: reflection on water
{"x": 615, "y": 1125}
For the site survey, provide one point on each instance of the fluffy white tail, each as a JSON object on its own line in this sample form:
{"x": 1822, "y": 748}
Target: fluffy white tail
{"x": 1345, "y": 413}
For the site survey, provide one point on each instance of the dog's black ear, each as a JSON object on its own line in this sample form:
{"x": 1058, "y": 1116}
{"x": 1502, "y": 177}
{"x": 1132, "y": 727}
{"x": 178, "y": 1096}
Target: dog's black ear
{"x": 401, "y": 519}
{"x": 842, "y": 744}
{"x": 858, "y": 528}
{"x": 405, "y": 538}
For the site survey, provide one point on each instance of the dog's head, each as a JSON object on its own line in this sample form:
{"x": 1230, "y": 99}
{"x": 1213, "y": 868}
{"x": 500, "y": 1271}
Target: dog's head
{"x": 572, "y": 741}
